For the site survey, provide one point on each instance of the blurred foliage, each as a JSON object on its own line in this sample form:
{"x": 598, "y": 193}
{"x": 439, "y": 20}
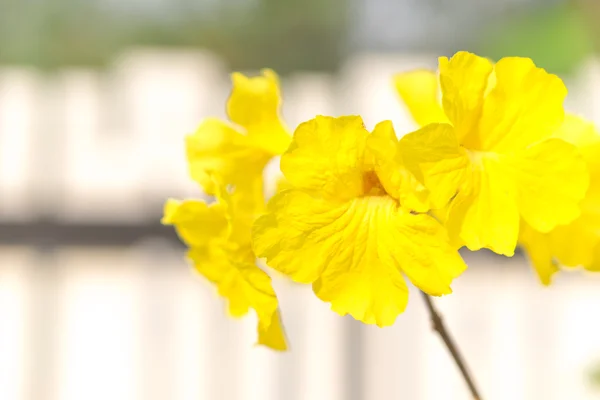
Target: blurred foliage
{"x": 286, "y": 35}
{"x": 283, "y": 34}
{"x": 594, "y": 376}
{"x": 557, "y": 38}
{"x": 53, "y": 32}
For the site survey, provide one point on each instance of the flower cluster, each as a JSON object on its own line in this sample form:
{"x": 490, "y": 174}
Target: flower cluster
{"x": 495, "y": 163}
{"x": 225, "y": 154}
{"x": 524, "y": 165}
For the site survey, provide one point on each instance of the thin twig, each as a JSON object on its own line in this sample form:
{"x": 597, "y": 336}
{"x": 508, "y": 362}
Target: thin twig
{"x": 440, "y": 328}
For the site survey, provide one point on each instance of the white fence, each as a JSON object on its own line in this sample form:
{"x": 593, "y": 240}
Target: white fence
{"x": 92, "y": 144}
{"x": 133, "y": 323}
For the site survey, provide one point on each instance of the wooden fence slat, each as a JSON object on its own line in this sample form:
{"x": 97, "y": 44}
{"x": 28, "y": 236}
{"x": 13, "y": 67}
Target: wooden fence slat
{"x": 19, "y": 94}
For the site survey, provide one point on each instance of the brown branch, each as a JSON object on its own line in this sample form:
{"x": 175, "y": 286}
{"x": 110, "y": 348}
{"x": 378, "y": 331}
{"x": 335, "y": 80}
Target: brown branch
{"x": 440, "y": 328}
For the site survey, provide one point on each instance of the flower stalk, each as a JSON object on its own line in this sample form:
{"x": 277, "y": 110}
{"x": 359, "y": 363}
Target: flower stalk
{"x": 437, "y": 324}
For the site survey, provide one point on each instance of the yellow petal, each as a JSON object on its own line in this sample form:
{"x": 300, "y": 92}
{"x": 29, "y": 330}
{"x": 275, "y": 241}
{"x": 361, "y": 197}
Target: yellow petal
{"x": 591, "y": 203}
{"x": 419, "y": 90}
{"x": 327, "y": 157}
{"x": 244, "y": 285}
{"x": 272, "y": 334}
{"x": 574, "y": 244}
{"x": 464, "y": 80}
{"x": 196, "y": 222}
{"x": 422, "y": 250}
{"x": 217, "y": 148}
{"x": 484, "y": 213}
{"x": 552, "y": 179}
{"x": 354, "y": 251}
{"x": 578, "y": 131}
{"x": 254, "y": 104}
{"x": 578, "y": 243}
{"x": 383, "y": 141}
{"x": 387, "y": 162}
{"x": 570, "y": 245}
{"x": 282, "y": 185}
{"x": 524, "y": 107}
{"x": 243, "y": 203}
{"x": 583, "y": 134}
{"x": 538, "y": 248}
{"x": 595, "y": 264}
{"x": 434, "y": 156}
{"x": 590, "y": 206}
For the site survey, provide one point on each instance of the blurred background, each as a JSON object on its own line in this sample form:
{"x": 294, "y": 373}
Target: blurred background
{"x": 96, "y": 300}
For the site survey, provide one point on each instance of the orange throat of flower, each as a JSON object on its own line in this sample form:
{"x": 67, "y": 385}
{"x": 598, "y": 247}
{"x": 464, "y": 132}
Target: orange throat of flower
{"x": 372, "y": 185}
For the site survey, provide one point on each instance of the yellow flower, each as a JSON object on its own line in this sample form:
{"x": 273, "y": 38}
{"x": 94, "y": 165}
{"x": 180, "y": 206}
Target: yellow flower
{"x": 218, "y": 235}
{"x": 491, "y": 151}
{"x": 342, "y": 228}
{"x": 238, "y": 151}
{"x": 577, "y": 243}
{"x": 223, "y": 154}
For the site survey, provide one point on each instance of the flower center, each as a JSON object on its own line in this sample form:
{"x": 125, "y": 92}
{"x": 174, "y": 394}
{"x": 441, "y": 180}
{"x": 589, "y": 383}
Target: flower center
{"x": 477, "y": 157}
{"x": 372, "y": 185}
